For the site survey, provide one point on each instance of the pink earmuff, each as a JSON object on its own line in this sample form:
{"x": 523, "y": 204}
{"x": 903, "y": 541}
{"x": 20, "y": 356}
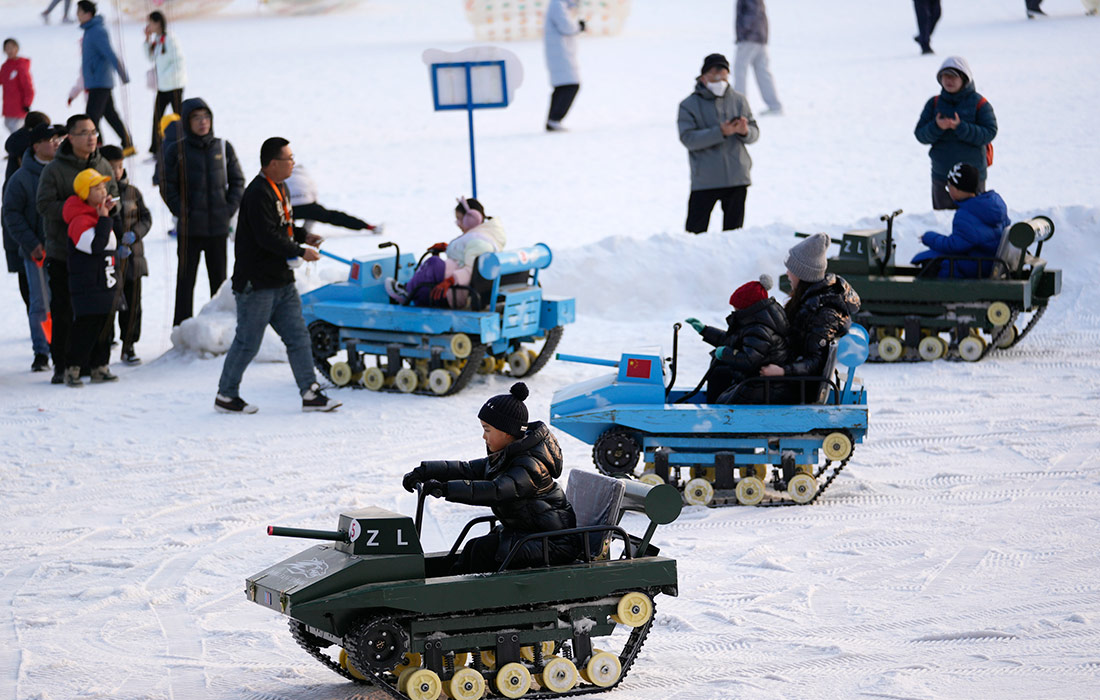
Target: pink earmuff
{"x": 472, "y": 217}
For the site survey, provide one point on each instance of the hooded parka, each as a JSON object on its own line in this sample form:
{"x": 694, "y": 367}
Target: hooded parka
{"x": 717, "y": 161}
{"x": 966, "y": 142}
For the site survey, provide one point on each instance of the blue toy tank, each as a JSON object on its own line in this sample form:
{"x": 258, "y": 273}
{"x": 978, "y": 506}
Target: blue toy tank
{"x": 719, "y": 454}
{"x": 361, "y": 338}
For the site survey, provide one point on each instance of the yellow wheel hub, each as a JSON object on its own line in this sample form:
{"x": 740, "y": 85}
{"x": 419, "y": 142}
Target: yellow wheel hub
{"x": 513, "y": 680}
{"x": 651, "y": 478}
{"x": 559, "y": 675}
{"x": 932, "y": 348}
{"x": 461, "y": 345}
{"x": 466, "y": 684}
{"x": 489, "y": 659}
{"x": 971, "y": 348}
{"x": 837, "y": 446}
{"x": 528, "y": 653}
{"x": 488, "y": 365}
{"x": 749, "y": 491}
{"x": 519, "y": 362}
{"x": 410, "y": 660}
{"x": 423, "y": 684}
{"x": 1008, "y": 337}
{"x": 760, "y": 471}
{"x": 346, "y": 664}
{"x": 340, "y": 373}
{"x": 998, "y": 313}
{"x": 802, "y": 488}
{"x": 634, "y": 609}
{"x": 440, "y": 381}
{"x": 698, "y": 492}
{"x": 890, "y": 348}
{"x": 406, "y": 380}
{"x": 603, "y": 669}
{"x": 374, "y": 379}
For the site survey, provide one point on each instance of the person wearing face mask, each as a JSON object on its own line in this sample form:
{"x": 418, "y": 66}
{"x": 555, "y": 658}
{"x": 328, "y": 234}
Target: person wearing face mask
{"x": 715, "y": 126}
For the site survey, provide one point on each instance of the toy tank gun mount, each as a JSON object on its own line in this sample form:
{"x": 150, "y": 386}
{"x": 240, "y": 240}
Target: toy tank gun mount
{"x": 430, "y": 350}
{"x": 719, "y": 454}
{"x": 371, "y": 606}
{"x": 912, "y": 313}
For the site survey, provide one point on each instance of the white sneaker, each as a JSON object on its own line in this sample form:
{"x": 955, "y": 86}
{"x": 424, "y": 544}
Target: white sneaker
{"x": 314, "y": 400}
{"x": 224, "y": 404}
{"x": 396, "y": 290}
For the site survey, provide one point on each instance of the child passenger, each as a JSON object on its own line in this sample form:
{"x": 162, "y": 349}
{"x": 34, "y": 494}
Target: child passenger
{"x": 430, "y": 284}
{"x": 756, "y": 335}
{"x": 133, "y": 217}
{"x": 516, "y": 480}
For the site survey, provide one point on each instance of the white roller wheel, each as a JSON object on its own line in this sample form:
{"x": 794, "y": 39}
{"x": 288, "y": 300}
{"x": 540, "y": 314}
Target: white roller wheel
{"x": 440, "y": 381}
{"x": 513, "y": 680}
{"x": 340, "y": 373}
{"x": 971, "y": 348}
{"x": 698, "y": 492}
{"x": 932, "y": 348}
{"x": 373, "y": 378}
{"x": 559, "y": 675}
{"x": 836, "y": 446}
{"x": 651, "y": 478}
{"x": 998, "y": 313}
{"x": 1008, "y": 337}
{"x": 603, "y": 669}
{"x": 890, "y": 348}
{"x": 802, "y": 488}
{"x": 406, "y": 380}
{"x": 519, "y": 362}
{"x": 750, "y": 491}
{"x": 461, "y": 345}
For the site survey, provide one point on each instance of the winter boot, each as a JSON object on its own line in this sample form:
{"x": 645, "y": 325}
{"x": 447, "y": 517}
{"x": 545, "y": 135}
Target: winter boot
{"x": 72, "y": 377}
{"x": 58, "y": 376}
{"x": 314, "y": 400}
{"x": 396, "y": 291}
{"x": 102, "y": 374}
{"x": 224, "y": 404}
{"x": 41, "y": 362}
{"x": 129, "y": 357}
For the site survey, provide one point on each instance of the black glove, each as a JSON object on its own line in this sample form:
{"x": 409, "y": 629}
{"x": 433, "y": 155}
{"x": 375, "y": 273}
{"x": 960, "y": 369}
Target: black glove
{"x": 581, "y": 23}
{"x": 436, "y": 488}
{"x": 413, "y": 478}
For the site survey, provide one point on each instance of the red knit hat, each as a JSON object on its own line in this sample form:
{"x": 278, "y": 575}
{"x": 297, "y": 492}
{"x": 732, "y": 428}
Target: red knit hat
{"x": 750, "y": 293}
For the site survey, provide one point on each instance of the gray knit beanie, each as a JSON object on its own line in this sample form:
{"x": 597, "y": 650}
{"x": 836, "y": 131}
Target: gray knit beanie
{"x": 806, "y": 261}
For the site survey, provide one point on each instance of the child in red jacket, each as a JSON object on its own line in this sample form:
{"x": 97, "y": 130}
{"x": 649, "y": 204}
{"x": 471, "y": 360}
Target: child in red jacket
{"x": 92, "y": 282}
{"x": 15, "y": 77}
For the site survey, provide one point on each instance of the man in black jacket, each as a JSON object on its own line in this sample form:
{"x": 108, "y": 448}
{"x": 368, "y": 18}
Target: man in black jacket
{"x": 263, "y": 284}
{"x": 203, "y": 184}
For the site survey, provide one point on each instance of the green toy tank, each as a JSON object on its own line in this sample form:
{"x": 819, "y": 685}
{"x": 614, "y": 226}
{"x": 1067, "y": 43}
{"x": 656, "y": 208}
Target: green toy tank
{"x": 913, "y": 314}
{"x": 373, "y": 607}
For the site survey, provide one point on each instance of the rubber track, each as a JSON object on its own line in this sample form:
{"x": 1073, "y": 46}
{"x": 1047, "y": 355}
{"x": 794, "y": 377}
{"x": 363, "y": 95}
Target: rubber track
{"x": 313, "y": 650}
{"x": 553, "y": 337}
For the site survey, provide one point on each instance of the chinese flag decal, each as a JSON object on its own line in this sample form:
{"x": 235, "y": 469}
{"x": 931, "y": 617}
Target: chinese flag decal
{"x": 638, "y": 369}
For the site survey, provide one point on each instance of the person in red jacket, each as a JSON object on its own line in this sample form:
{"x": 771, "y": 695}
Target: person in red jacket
{"x": 15, "y": 77}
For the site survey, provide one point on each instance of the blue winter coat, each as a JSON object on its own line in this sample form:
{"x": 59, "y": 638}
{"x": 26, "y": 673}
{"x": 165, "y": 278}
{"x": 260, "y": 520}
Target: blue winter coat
{"x": 560, "y": 37}
{"x": 751, "y": 23}
{"x": 966, "y": 142}
{"x": 975, "y": 231}
{"x": 21, "y": 219}
{"x": 98, "y": 58}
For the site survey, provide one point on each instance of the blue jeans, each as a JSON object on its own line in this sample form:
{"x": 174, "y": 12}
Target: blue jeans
{"x": 38, "y": 305}
{"x": 256, "y": 309}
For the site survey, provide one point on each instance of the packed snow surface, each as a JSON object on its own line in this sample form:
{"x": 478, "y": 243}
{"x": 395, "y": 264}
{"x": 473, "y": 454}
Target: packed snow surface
{"x": 956, "y": 555}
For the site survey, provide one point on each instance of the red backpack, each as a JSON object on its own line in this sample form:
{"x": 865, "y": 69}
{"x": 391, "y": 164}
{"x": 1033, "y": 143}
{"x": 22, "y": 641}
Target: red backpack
{"x": 981, "y": 101}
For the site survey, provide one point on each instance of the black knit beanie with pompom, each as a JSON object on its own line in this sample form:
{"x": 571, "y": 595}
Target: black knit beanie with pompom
{"x": 507, "y": 412}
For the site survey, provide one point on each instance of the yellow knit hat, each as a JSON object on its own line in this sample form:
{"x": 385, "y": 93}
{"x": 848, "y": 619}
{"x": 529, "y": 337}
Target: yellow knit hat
{"x": 166, "y": 120}
{"x": 86, "y": 180}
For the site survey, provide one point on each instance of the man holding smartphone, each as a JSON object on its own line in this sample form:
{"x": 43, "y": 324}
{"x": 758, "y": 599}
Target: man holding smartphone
{"x": 715, "y": 125}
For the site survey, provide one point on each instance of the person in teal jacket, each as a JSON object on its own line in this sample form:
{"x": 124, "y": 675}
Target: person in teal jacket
{"x": 958, "y": 124}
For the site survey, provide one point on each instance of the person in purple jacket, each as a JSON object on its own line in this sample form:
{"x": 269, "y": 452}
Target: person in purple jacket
{"x": 976, "y": 229}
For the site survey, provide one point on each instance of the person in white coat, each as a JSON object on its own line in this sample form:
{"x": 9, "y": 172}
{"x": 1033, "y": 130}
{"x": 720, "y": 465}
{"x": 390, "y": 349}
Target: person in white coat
{"x": 560, "y": 36}
{"x": 164, "y": 51}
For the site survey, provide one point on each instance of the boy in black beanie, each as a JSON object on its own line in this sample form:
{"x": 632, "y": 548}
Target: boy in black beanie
{"x": 516, "y": 480}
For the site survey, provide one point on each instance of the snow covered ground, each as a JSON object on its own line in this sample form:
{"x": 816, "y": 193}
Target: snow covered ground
{"x": 956, "y": 555}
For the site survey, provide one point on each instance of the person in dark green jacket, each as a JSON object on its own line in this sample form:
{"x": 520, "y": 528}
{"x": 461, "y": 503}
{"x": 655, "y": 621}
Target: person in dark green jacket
{"x": 958, "y": 124}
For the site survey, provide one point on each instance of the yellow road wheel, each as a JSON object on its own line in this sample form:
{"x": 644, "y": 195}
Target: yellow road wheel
{"x": 998, "y": 313}
{"x": 340, "y": 373}
{"x": 410, "y": 660}
{"x": 406, "y": 380}
{"x": 488, "y": 365}
{"x": 837, "y": 446}
{"x": 703, "y": 473}
{"x": 1008, "y": 337}
{"x": 890, "y": 348}
{"x": 651, "y": 478}
{"x": 932, "y": 348}
{"x": 423, "y": 684}
{"x": 440, "y": 381}
{"x": 528, "y": 653}
{"x": 634, "y": 609}
{"x": 489, "y": 659}
{"x": 558, "y": 675}
{"x": 803, "y": 469}
{"x": 461, "y": 345}
{"x": 760, "y": 471}
{"x": 466, "y": 684}
{"x": 603, "y": 669}
{"x": 345, "y": 663}
{"x": 698, "y": 492}
{"x": 403, "y": 678}
{"x": 461, "y": 659}
{"x": 519, "y": 363}
{"x": 802, "y": 488}
{"x": 513, "y": 680}
{"x": 750, "y": 491}
{"x": 373, "y": 378}
{"x": 971, "y": 348}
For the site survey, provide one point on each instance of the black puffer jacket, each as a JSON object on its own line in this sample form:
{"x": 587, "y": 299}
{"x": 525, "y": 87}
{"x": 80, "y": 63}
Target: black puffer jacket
{"x": 758, "y": 336}
{"x": 203, "y": 183}
{"x": 820, "y": 314}
{"x": 518, "y": 484}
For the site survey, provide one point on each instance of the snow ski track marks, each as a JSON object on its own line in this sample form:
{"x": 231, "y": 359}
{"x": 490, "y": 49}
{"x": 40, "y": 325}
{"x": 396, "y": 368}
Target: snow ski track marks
{"x": 11, "y": 653}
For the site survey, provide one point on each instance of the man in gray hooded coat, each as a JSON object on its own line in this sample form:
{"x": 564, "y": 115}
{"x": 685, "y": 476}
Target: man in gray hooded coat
{"x": 715, "y": 126}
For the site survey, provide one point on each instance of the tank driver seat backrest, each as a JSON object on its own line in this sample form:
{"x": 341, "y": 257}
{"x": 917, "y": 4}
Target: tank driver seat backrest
{"x": 596, "y": 500}
{"x": 1009, "y": 254}
{"x": 482, "y": 288}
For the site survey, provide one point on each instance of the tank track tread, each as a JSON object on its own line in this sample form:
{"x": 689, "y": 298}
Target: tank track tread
{"x": 626, "y": 659}
{"x": 469, "y": 370}
{"x": 553, "y": 337}
{"x": 304, "y": 640}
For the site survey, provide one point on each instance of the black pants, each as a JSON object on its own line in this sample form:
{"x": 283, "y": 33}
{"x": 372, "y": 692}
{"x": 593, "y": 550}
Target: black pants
{"x": 61, "y": 312}
{"x": 188, "y": 252}
{"x": 90, "y": 343}
{"x": 1033, "y": 5}
{"x": 719, "y": 378}
{"x": 129, "y": 315}
{"x": 479, "y": 555}
{"x": 701, "y": 204}
{"x": 102, "y": 104}
{"x": 561, "y": 101}
{"x": 168, "y": 97}
{"x": 942, "y": 200}
{"x": 316, "y": 212}
{"x": 928, "y": 14}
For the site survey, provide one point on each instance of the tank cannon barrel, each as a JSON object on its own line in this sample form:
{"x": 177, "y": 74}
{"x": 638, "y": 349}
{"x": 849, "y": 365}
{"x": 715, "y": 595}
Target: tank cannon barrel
{"x": 334, "y": 257}
{"x": 331, "y": 535}
{"x": 661, "y": 503}
{"x": 586, "y": 360}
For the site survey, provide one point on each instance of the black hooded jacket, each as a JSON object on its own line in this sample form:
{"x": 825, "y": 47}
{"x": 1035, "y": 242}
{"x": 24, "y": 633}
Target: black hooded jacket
{"x": 757, "y": 335}
{"x": 820, "y": 315}
{"x": 518, "y": 484}
{"x": 203, "y": 183}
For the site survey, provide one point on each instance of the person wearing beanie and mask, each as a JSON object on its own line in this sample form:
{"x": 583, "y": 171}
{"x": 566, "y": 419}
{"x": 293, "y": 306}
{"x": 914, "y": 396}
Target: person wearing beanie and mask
{"x": 715, "y": 125}
{"x": 959, "y": 125}
{"x": 516, "y": 480}
{"x": 819, "y": 311}
{"x": 975, "y": 231}
{"x": 756, "y": 335}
